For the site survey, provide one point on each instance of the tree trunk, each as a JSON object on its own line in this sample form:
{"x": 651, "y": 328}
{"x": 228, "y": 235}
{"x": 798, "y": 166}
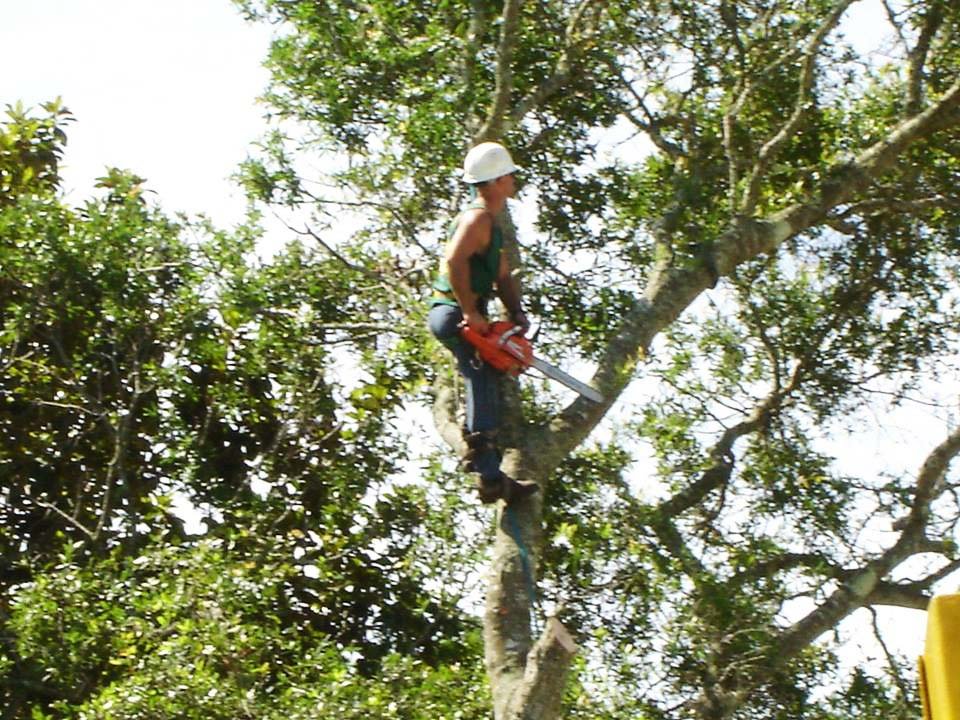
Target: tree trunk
{"x": 527, "y": 678}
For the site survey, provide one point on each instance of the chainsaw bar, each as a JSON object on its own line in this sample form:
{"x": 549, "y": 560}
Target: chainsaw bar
{"x": 523, "y": 353}
{"x": 505, "y": 348}
{"x": 571, "y": 382}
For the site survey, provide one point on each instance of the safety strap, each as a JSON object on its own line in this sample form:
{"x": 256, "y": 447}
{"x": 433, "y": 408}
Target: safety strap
{"x": 525, "y": 564}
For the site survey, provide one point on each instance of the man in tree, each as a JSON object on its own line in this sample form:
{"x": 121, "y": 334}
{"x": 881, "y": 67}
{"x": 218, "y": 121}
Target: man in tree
{"x": 473, "y": 266}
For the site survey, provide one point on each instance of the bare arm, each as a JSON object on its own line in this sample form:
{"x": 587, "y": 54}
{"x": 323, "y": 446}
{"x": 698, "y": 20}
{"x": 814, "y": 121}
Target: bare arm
{"x": 471, "y": 237}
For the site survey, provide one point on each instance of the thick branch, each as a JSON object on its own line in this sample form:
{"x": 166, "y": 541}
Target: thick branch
{"x": 918, "y": 57}
{"x": 856, "y": 591}
{"x": 511, "y": 584}
{"x": 931, "y": 482}
{"x": 540, "y": 693}
{"x": 503, "y": 89}
{"x": 673, "y": 288}
{"x": 856, "y": 588}
{"x": 781, "y": 563}
{"x": 894, "y": 595}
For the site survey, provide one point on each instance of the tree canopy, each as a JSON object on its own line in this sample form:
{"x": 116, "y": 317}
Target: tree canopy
{"x": 746, "y": 230}
{"x": 737, "y": 204}
{"x": 151, "y": 363}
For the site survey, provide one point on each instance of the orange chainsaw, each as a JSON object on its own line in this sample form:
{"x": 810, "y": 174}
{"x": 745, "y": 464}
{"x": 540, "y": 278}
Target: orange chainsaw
{"x": 506, "y": 349}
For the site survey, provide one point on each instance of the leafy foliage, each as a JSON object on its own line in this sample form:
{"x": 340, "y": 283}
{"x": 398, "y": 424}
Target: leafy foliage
{"x": 203, "y": 631}
{"x": 30, "y": 151}
{"x": 151, "y": 365}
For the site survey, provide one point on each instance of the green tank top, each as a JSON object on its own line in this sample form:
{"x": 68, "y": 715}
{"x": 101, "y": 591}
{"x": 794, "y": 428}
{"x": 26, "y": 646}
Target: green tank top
{"x": 483, "y": 267}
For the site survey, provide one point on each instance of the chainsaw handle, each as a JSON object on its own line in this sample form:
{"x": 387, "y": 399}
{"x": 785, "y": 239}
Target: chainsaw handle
{"x": 507, "y": 334}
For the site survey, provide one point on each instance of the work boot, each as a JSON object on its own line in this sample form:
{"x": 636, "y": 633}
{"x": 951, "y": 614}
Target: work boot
{"x": 483, "y": 455}
{"x": 479, "y": 444}
{"x": 503, "y": 487}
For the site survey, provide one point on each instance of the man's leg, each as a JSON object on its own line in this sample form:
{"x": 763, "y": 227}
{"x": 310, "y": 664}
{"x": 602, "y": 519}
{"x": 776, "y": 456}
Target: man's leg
{"x": 482, "y": 395}
{"x": 482, "y": 409}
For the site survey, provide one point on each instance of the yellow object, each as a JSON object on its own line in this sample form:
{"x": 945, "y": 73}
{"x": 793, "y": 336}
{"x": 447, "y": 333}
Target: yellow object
{"x": 940, "y": 662}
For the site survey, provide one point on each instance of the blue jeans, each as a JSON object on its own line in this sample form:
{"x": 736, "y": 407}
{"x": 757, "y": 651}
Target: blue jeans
{"x": 481, "y": 381}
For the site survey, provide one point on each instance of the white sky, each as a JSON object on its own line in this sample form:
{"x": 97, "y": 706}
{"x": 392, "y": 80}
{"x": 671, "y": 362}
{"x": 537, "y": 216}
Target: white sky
{"x": 167, "y": 89}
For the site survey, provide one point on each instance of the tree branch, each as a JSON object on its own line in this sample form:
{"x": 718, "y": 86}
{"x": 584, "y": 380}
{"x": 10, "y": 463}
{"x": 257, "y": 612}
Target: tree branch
{"x": 879, "y": 205}
{"x": 445, "y": 415}
{"x": 856, "y": 588}
{"x": 780, "y": 563}
{"x": 471, "y": 48}
{"x": 307, "y": 231}
{"x": 722, "y": 452}
{"x": 894, "y": 595}
{"x": 742, "y": 90}
{"x": 895, "y": 22}
{"x": 855, "y": 591}
{"x": 507, "y": 637}
{"x": 650, "y": 126}
{"x": 540, "y": 693}
{"x": 918, "y": 57}
{"x": 574, "y": 39}
{"x": 122, "y": 431}
{"x": 69, "y": 518}
{"x": 807, "y": 78}
{"x": 895, "y": 671}
{"x": 503, "y": 89}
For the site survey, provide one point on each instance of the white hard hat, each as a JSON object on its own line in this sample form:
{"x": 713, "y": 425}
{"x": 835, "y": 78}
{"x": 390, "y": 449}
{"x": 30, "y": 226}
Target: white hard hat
{"x": 487, "y": 161}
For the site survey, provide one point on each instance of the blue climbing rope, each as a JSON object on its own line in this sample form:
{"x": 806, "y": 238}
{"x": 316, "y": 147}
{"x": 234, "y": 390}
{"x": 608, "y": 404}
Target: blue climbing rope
{"x": 524, "y": 563}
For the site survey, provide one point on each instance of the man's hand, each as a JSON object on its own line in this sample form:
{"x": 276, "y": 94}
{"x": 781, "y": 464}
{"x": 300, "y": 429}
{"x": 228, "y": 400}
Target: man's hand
{"x": 521, "y": 321}
{"x": 477, "y": 322}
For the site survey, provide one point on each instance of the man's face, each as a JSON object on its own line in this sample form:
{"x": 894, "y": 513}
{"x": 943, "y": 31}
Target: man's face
{"x": 509, "y": 185}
